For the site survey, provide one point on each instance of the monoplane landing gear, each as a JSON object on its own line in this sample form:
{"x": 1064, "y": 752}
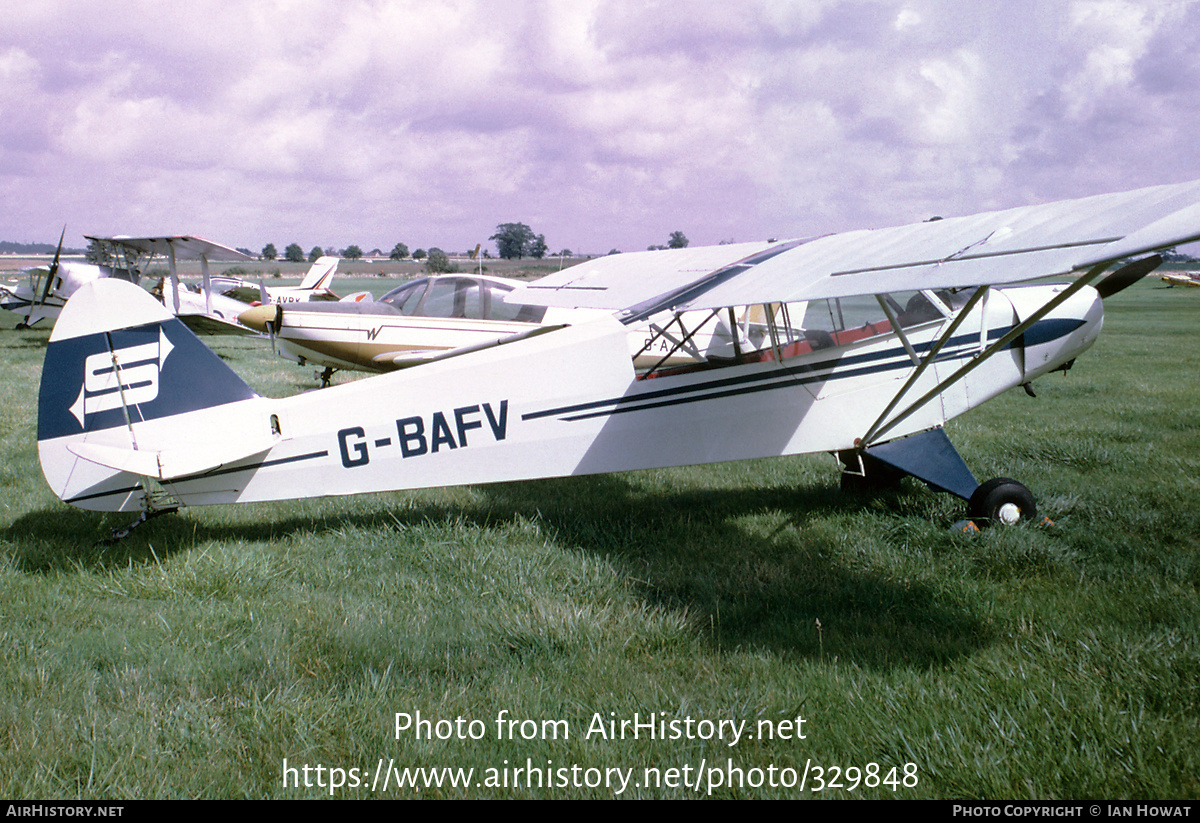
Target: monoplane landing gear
{"x": 1001, "y": 500}
{"x": 325, "y": 376}
{"x": 930, "y": 457}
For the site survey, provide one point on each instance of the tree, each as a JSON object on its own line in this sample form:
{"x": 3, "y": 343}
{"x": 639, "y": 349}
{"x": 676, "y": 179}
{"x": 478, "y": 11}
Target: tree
{"x": 353, "y": 253}
{"x": 269, "y": 252}
{"x": 399, "y": 252}
{"x": 419, "y": 254}
{"x": 677, "y": 241}
{"x": 513, "y": 240}
{"x": 439, "y": 263}
{"x": 293, "y": 253}
{"x": 316, "y": 253}
{"x": 537, "y": 249}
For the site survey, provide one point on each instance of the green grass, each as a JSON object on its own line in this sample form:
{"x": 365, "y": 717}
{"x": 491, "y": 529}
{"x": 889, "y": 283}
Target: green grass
{"x": 1058, "y": 661}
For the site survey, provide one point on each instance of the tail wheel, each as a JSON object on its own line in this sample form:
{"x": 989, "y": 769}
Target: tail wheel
{"x": 1001, "y": 500}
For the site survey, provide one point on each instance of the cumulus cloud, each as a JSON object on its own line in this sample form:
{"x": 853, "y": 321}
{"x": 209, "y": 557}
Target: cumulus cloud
{"x": 601, "y": 123}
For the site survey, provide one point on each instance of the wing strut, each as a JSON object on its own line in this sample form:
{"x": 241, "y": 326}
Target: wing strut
{"x": 923, "y": 365}
{"x": 885, "y": 424}
{"x": 676, "y": 345}
{"x": 890, "y": 313}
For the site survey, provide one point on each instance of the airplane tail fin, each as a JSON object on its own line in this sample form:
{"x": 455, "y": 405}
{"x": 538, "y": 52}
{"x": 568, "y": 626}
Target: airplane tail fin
{"x": 125, "y": 387}
{"x": 320, "y": 276}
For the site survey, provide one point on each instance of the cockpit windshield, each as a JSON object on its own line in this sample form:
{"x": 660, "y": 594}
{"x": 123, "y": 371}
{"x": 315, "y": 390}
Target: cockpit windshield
{"x": 462, "y": 297}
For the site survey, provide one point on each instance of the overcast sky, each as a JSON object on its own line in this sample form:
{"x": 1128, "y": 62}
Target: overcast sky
{"x": 600, "y": 123}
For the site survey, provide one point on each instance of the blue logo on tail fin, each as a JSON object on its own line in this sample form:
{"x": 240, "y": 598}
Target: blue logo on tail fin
{"x": 92, "y": 382}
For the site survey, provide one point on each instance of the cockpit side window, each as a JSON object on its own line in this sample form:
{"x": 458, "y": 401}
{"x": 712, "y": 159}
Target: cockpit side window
{"x": 447, "y": 297}
{"x": 512, "y": 312}
{"x": 406, "y": 298}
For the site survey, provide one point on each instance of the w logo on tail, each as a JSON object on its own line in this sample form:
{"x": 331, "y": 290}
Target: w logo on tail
{"x": 122, "y": 377}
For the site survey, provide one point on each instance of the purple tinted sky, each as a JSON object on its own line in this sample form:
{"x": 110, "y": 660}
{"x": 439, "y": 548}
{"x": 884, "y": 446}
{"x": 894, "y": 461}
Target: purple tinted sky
{"x": 602, "y": 124}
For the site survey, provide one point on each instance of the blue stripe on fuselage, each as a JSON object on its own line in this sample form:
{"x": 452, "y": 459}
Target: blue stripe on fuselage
{"x": 958, "y": 348}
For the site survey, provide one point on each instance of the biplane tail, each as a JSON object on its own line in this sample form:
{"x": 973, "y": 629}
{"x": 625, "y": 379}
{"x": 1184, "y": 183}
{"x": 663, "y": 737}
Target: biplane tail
{"x": 126, "y": 390}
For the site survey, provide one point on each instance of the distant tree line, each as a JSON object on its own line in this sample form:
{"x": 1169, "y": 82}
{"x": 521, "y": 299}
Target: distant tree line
{"x": 9, "y": 247}
{"x": 514, "y": 241}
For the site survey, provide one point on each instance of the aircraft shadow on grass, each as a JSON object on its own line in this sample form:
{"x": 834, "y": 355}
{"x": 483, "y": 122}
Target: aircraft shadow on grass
{"x": 686, "y": 552}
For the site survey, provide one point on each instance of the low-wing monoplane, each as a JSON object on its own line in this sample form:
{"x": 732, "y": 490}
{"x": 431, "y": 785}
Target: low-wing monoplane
{"x": 135, "y": 414}
{"x": 1182, "y": 278}
{"x": 431, "y": 316}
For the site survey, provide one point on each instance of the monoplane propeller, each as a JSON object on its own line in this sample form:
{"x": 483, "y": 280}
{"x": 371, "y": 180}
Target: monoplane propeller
{"x": 275, "y": 324}
{"x": 53, "y": 269}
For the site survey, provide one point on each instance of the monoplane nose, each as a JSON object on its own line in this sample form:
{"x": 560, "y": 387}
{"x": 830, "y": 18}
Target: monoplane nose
{"x": 259, "y": 317}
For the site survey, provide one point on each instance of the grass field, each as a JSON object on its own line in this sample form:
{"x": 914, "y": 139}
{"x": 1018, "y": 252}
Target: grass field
{"x": 1061, "y": 661}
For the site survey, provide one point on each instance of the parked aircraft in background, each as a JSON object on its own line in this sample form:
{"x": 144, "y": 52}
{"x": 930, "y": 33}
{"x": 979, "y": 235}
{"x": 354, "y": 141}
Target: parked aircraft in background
{"x": 1182, "y": 278}
{"x": 428, "y": 317}
{"x": 135, "y": 414}
{"x": 212, "y": 306}
{"x": 46, "y": 288}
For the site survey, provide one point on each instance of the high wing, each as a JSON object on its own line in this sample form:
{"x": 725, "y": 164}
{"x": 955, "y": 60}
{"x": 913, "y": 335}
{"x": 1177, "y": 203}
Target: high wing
{"x": 992, "y": 248}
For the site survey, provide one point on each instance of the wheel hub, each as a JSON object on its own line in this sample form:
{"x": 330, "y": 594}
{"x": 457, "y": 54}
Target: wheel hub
{"x": 1009, "y": 514}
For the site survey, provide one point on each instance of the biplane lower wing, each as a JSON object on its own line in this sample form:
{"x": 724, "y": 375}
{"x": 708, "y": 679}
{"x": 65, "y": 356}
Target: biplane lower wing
{"x": 122, "y": 376}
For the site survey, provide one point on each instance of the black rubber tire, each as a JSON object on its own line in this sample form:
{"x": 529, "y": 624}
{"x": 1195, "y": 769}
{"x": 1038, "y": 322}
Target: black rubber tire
{"x": 1001, "y": 500}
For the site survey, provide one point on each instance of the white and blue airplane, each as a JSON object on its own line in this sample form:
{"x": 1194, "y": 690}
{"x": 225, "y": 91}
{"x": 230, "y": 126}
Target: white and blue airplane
{"x": 874, "y": 340}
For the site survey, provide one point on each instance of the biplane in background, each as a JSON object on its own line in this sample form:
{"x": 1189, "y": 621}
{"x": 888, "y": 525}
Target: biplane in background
{"x": 47, "y": 288}
{"x": 135, "y": 414}
{"x": 213, "y": 305}
{"x": 430, "y": 317}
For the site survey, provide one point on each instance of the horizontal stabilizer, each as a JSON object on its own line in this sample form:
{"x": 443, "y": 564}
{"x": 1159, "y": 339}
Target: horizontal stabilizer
{"x": 167, "y": 464}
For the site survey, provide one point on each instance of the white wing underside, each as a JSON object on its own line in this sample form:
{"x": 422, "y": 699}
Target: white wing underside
{"x": 993, "y": 248}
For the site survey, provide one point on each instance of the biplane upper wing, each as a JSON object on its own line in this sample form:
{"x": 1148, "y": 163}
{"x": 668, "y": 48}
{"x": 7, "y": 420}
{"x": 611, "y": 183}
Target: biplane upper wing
{"x": 184, "y": 246}
{"x": 992, "y": 248}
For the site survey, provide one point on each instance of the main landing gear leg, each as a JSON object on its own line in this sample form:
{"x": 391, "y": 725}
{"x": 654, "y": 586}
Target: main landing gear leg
{"x": 931, "y": 458}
